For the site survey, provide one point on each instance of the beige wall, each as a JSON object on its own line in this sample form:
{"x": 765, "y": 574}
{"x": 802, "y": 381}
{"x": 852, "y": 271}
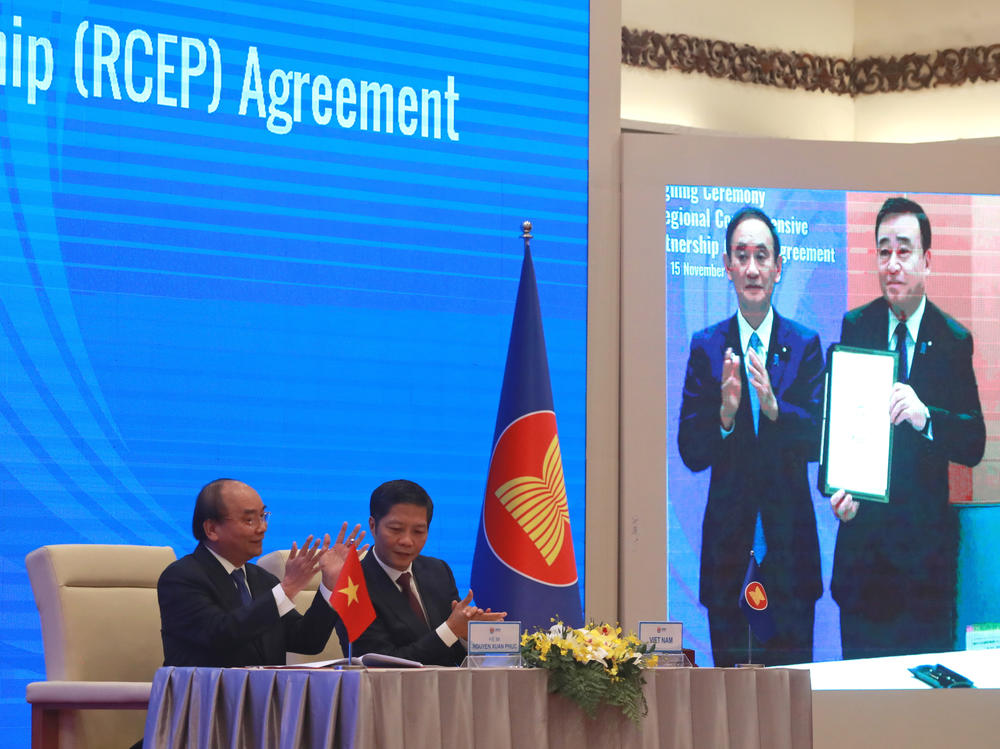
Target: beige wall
{"x": 692, "y": 100}
{"x": 824, "y": 27}
{"x": 896, "y": 27}
{"x": 969, "y": 111}
{"x": 892, "y": 27}
{"x": 836, "y": 27}
{"x": 698, "y": 101}
{"x": 604, "y": 221}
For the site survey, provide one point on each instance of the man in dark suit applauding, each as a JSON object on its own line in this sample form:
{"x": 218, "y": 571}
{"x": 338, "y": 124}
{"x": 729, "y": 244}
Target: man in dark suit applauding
{"x": 417, "y": 612}
{"x": 217, "y": 609}
{"x": 751, "y": 413}
{"x": 894, "y": 569}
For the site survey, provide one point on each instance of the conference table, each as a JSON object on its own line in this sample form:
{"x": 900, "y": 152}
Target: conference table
{"x": 488, "y": 708}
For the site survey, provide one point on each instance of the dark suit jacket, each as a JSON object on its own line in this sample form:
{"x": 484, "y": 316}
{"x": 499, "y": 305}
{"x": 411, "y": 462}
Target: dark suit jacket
{"x": 397, "y": 630}
{"x": 765, "y": 472}
{"x": 203, "y": 622}
{"x": 894, "y": 556}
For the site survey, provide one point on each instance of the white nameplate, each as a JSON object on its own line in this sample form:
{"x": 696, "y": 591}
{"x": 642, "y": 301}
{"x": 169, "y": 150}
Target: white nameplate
{"x": 494, "y": 638}
{"x": 662, "y": 637}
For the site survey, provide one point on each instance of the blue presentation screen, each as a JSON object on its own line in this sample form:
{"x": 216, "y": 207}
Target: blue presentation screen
{"x": 280, "y": 242}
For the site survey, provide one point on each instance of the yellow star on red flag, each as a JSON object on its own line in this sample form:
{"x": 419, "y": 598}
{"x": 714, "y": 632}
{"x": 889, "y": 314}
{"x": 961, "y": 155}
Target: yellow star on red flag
{"x": 350, "y": 590}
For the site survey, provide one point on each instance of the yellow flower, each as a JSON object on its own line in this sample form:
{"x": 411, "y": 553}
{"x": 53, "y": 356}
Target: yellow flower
{"x": 620, "y": 655}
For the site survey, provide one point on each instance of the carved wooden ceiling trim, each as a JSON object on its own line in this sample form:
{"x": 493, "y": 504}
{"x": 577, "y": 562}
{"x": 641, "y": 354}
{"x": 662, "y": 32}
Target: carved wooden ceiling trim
{"x": 745, "y": 63}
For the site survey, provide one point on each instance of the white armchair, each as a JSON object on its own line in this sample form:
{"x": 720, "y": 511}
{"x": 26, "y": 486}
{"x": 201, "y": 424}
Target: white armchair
{"x": 101, "y": 633}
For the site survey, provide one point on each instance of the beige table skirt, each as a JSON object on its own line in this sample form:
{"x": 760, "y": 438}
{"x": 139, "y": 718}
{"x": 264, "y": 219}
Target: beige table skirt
{"x": 485, "y": 708}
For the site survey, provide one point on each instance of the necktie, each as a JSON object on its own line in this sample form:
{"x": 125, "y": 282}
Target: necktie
{"x": 240, "y": 578}
{"x": 411, "y": 597}
{"x": 759, "y": 543}
{"x": 904, "y": 370}
{"x": 754, "y": 400}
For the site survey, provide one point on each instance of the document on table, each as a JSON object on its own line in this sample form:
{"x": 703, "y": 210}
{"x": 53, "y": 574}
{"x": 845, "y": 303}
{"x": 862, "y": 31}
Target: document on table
{"x": 368, "y": 660}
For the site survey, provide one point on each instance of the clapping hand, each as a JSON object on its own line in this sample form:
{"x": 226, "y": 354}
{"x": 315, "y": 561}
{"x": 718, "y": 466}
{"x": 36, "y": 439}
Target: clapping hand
{"x": 302, "y": 564}
{"x": 332, "y": 562}
{"x": 761, "y": 382}
{"x": 732, "y": 388}
{"x": 462, "y": 612}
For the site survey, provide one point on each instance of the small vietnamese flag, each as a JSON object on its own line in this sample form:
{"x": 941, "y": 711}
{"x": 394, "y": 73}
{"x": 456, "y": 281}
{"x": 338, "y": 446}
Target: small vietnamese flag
{"x": 350, "y": 597}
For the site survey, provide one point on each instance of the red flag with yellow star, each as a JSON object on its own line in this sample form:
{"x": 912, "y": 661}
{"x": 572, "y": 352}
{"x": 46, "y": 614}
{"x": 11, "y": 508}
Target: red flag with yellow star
{"x": 350, "y": 597}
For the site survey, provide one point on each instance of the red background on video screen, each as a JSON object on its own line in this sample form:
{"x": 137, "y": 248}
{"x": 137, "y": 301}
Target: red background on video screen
{"x": 964, "y": 282}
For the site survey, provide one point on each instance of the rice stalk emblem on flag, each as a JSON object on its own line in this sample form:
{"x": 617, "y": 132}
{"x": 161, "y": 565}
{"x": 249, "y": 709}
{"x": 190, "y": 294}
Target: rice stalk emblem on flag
{"x": 526, "y": 496}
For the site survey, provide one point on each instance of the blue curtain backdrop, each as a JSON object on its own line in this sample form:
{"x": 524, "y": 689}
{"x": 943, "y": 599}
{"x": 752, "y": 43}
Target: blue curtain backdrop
{"x": 201, "y": 277}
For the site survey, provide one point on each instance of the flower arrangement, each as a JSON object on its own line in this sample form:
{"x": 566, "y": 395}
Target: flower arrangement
{"x": 592, "y": 665}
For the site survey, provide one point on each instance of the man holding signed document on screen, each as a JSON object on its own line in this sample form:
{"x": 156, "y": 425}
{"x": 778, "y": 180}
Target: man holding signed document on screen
{"x": 894, "y": 571}
{"x": 750, "y": 411}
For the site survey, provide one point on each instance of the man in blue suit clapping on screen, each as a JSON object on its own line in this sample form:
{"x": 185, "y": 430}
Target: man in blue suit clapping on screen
{"x": 751, "y": 413}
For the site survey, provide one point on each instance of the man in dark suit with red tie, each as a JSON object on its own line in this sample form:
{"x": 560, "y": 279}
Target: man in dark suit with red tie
{"x": 417, "y": 612}
{"x": 750, "y": 412}
{"x": 217, "y": 609}
{"x": 895, "y": 565}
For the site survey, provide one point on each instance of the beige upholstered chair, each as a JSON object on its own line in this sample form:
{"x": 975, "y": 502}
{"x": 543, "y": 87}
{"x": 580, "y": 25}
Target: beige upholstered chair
{"x": 101, "y": 632}
{"x": 275, "y": 564}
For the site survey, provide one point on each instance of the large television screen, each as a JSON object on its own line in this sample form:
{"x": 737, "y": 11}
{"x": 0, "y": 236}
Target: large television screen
{"x": 830, "y": 265}
{"x": 678, "y": 194}
{"x": 277, "y": 241}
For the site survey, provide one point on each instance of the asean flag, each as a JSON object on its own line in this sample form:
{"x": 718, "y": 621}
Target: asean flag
{"x": 755, "y": 604}
{"x": 350, "y": 597}
{"x": 524, "y": 562}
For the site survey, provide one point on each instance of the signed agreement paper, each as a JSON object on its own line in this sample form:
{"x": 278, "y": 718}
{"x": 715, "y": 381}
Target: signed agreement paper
{"x": 857, "y": 438}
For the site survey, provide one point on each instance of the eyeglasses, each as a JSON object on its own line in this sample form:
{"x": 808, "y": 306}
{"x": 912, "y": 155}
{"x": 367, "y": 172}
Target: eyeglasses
{"x": 253, "y": 522}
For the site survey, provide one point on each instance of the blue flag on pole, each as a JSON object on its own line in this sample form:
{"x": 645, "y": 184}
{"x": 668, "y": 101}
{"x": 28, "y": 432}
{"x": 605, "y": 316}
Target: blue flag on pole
{"x": 755, "y": 604}
{"x": 524, "y": 562}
